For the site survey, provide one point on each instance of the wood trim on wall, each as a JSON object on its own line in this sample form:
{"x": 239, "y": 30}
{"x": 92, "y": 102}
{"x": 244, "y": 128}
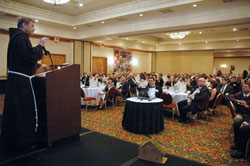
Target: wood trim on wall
{"x": 233, "y": 57}
{"x": 35, "y": 36}
{"x": 116, "y": 47}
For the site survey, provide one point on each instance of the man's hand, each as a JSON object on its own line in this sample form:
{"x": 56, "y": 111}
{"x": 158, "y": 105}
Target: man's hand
{"x": 44, "y": 66}
{"x": 191, "y": 97}
{"x": 244, "y": 124}
{"x": 43, "y": 41}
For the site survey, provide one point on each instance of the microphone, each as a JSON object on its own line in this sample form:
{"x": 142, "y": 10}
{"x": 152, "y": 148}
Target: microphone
{"x": 48, "y": 53}
{"x": 45, "y": 51}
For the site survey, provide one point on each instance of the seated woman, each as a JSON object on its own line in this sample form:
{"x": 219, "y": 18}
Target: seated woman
{"x": 189, "y": 86}
{"x": 181, "y": 84}
{"x": 214, "y": 93}
{"x": 99, "y": 102}
{"x": 170, "y": 83}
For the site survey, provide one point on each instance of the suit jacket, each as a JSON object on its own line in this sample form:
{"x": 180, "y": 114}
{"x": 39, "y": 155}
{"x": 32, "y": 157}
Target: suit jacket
{"x": 236, "y": 87}
{"x": 85, "y": 80}
{"x": 159, "y": 82}
{"x": 158, "y": 92}
{"x": 168, "y": 83}
{"x": 239, "y": 108}
{"x": 125, "y": 89}
{"x": 200, "y": 96}
{"x": 133, "y": 85}
{"x": 228, "y": 91}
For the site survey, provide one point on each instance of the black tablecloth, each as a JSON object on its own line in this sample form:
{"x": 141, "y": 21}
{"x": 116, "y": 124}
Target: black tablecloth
{"x": 143, "y": 118}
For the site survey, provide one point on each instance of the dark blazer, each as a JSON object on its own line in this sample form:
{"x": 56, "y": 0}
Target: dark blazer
{"x": 159, "y": 89}
{"x": 228, "y": 91}
{"x": 85, "y": 80}
{"x": 239, "y": 108}
{"x": 200, "y": 96}
{"x": 168, "y": 83}
{"x": 132, "y": 84}
{"x": 125, "y": 89}
{"x": 159, "y": 82}
{"x": 236, "y": 87}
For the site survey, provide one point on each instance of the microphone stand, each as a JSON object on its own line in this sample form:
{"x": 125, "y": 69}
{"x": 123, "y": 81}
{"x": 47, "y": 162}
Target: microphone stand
{"x": 48, "y": 53}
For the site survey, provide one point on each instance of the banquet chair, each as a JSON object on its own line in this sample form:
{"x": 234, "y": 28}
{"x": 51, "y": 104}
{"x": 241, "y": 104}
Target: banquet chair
{"x": 167, "y": 103}
{"x": 232, "y": 109}
{"x": 203, "y": 107}
{"x": 121, "y": 99}
{"x": 87, "y": 100}
{"x": 215, "y": 107}
{"x": 110, "y": 97}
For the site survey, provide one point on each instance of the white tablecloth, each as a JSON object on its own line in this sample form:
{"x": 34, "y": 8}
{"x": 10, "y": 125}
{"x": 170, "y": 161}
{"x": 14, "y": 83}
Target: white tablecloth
{"x": 177, "y": 96}
{"x": 135, "y": 99}
{"x": 92, "y": 92}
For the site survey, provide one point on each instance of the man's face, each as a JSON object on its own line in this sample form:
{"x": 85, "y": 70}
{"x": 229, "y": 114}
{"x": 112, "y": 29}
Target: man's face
{"x": 151, "y": 82}
{"x": 201, "y": 82}
{"x": 29, "y": 28}
{"x": 245, "y": 89}
{"x": 232, "y": 80}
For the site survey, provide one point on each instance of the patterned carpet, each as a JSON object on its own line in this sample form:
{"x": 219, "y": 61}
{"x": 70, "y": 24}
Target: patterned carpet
{"x": 206, "y": 143}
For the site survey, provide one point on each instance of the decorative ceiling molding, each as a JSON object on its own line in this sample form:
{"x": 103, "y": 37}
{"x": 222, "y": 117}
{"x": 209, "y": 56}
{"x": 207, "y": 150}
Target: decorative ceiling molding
{"x": 154, "y": 24}
{"x": 134, "y": 7}
{"x": 129, "y": 8}
{"x": 23, "y": 10}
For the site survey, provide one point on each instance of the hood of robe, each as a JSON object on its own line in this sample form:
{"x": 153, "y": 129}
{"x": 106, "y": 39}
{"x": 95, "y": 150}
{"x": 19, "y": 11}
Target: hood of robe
{"x": 15, "y": 32}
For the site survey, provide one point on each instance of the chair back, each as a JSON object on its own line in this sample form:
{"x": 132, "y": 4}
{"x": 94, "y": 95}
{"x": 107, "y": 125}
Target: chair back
{"x": 231, "y": 107}
{"x": 82, "y": 93}
{"x": 202, "y": 105}
{"x": 110, "y": 94}
{"x": 167, "y": 98}
{"x": 218, "y": 100}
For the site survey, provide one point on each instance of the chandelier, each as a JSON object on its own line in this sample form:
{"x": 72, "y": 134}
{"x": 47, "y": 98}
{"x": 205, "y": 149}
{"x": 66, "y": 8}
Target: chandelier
{"x": 178, "y": 35}
{"x": 56, "y": 2}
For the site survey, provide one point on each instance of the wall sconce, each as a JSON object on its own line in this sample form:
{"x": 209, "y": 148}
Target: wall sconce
{"x": 110, "y": 60}
{"x": 134, "y": 61}
{"x": 223, "y": 65}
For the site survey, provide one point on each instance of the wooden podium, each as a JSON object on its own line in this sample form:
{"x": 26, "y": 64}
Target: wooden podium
{"x": 58, "y": 101}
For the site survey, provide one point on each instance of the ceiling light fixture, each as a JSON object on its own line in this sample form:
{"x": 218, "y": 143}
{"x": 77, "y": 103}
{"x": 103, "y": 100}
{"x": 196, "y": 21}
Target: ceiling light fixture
{"x": 127, "y": 38}
{"x": 200, "y": 33}
{"x": 141, "y": 15}
{"x": 206, "y": 42}
{"x": 194, "y": 5}
{"x": 56, "y": 2}
{"x": 103, "y": 22}
{"x": 36, "y": 20}
{"x": 178, "y": 35}
{"x": 81, "y": 4}
{"x": 234, "y": 29}
{"x": 74, "y": 28}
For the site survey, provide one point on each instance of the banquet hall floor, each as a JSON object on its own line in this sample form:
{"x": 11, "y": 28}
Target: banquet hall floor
{"x": 207, "y": 143}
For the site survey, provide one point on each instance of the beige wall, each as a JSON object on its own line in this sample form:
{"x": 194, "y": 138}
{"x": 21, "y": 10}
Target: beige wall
{"x": 184, "y": 62}
{"x": 143, "y": 59}
{"x": 4, "y": 39}
{"x": 240, "y": 64}
{"x": 54, "y": 48}
{"x": 87, "y": 57}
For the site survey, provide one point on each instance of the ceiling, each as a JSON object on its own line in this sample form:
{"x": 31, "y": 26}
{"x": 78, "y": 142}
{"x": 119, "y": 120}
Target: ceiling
{"x": 72, "y": 8}
{"x": 94, "y": 12}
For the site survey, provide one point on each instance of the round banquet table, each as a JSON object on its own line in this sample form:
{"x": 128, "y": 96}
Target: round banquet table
{"x": 143, "y": 116}
{"x": 92, "y": 92}
{"x": 177, "y": 96}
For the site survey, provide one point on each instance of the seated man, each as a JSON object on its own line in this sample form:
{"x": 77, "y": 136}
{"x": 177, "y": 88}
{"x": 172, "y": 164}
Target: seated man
{"x": 153, "y": 90}
{"x": 241, "y": 126}
{"x": 132, "y": 83}
{"x": 226, "y": 90}
{"x": 99, "y": 103}
{"x": 123, "y": 89}
{"x": 191, "y": 105}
